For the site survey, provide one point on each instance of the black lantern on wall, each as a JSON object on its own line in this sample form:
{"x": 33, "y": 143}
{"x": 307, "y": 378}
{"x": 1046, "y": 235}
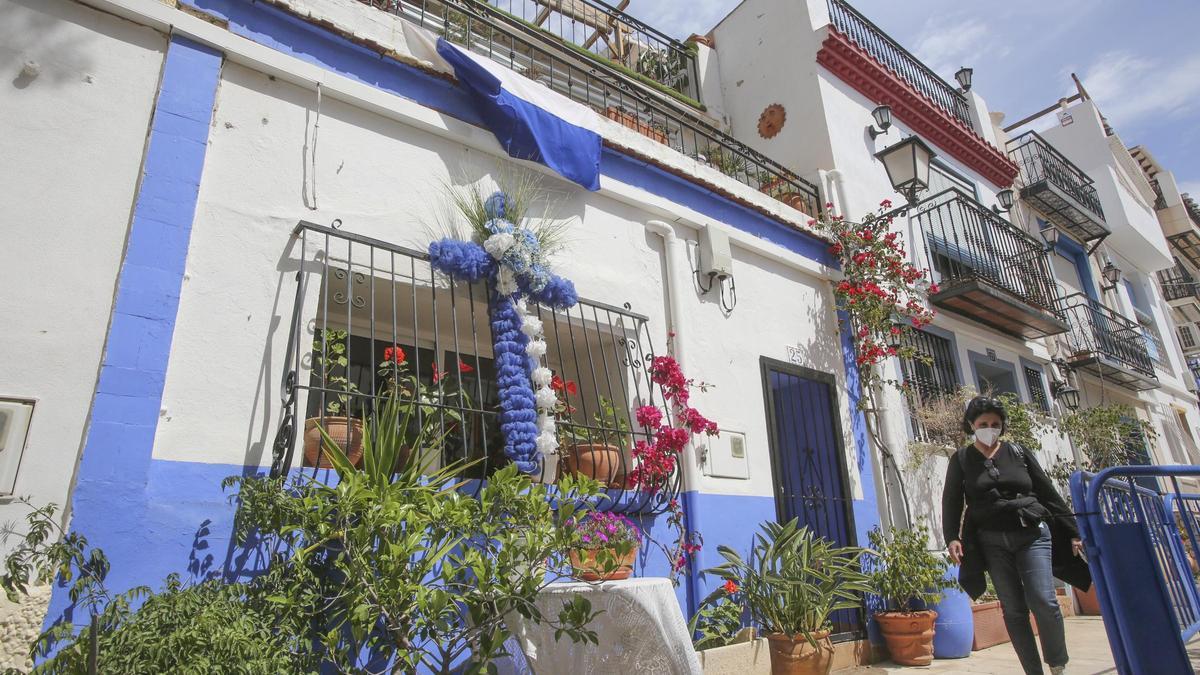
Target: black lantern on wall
{"x": 1005, "y": 197}
{"x": 1049, "y": 234}
{"x": 1064, "y": 393}
{"x": 883, "y": 119}
{"x": 1111, "y": 274}
{"x": 963, "y": 76}
{"x": 907, "y": 166}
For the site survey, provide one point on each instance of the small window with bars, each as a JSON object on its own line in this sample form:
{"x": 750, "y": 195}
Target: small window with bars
{"x": 929, "y": 375}
{"x": 1037, "y": 388}
{"x": 371, "y": 320}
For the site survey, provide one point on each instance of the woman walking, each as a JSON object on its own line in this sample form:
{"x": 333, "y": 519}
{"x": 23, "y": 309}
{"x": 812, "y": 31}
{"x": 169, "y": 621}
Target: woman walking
{"x": 1001, "y": 513}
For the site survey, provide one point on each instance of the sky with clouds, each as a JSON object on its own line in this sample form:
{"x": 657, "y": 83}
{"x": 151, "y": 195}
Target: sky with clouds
{"x": 1138, "y": 59}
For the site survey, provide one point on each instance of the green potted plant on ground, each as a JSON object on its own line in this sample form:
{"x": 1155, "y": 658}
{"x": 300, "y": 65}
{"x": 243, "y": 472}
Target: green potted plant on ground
{"x": 791, "y": 583}
{"x": 907, "y": 577}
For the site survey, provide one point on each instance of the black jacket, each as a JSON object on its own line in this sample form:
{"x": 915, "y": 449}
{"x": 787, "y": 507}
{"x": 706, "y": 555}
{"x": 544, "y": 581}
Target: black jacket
{"x": 1045, "y": 500}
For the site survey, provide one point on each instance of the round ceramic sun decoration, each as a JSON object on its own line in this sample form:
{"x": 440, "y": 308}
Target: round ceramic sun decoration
{"x": 771, "y": 120}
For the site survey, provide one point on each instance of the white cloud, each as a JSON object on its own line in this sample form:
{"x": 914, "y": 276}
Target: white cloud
{"x": 1130, "y": 88}
{"x": 945, "y": 44}
{"x": 681, "y": 19}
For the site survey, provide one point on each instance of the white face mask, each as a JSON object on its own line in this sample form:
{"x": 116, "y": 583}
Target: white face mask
{"x": 988, "y": 437}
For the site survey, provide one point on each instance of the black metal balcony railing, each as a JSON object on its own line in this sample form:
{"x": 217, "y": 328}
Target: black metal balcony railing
{"x": 966, "y": 241}
{"x": 1178, "y": 284}
{"x": 491, "y": 32}
{"x": 887, "y": 51}
{"x": 358, "y": 299}
{"x": 1073, "y": 203}
{"x": 1100, "y": 332}
{"x": 607, "y": 32}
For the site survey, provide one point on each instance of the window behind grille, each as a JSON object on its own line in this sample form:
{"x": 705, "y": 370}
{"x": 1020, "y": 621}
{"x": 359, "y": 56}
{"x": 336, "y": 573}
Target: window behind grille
{"x": 1037, "y": 388}
{"x": 373, "y": 296}
{"x": 929, "y": 376}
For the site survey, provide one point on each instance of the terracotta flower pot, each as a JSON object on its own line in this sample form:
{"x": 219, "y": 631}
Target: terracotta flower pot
{"x": 583, "y": 561}
{"x": 1064, "y": 603}
{"x": 989, "y": 625}
{"x": 631, "y": 121}
{"x": 1089, "y": 604}
{"x": 346, "y": 432}
{"x": 909, "y": 636}
{"x": 594, "y": 460}
{"x": 794, "y": 655}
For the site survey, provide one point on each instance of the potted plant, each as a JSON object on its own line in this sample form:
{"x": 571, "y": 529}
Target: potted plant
{"x": 989, "y": 621}
{"x": 791, "y": 583}
{"x": 651, "y": 130}
{"x": 330, "y": 364}
{"x": 590, "y": 453}
{"x": 907, "y": 576}
{"x": 719, "y": 637}
{"x": 606, "y": 547}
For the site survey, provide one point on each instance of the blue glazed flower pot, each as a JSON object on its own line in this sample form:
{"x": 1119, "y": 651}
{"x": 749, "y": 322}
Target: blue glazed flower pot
{"x": 955, "y": 627}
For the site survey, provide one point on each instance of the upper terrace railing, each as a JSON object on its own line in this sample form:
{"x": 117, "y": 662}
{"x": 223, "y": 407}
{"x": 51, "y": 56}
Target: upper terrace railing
{"x": 604, "y": 87}
{"x": 606, "y": 31}
{"x": 897, "y": 59}
{"x": 1099, "y": 331}
{"x": 966, "y": 241}
{"x": 1040, "y": 161}
{"x": 1178, "y": 284}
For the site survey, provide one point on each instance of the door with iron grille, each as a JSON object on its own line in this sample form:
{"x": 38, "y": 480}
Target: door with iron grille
{"x": 808, "y": 462}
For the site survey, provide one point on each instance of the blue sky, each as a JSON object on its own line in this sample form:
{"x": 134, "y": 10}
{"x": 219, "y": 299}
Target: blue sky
{"x": 1138, "y": 59}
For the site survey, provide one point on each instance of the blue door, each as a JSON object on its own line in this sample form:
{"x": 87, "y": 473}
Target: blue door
{"x": 808, "y": 463}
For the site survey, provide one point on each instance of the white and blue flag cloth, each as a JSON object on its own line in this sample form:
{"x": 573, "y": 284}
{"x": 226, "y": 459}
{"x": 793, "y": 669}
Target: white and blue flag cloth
{"x": 529, "y": 119}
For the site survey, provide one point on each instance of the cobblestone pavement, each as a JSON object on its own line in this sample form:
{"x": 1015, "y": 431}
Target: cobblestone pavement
{"x": 1086, "y": 642}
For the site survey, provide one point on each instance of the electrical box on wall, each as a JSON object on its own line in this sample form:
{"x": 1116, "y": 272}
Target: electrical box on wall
{"x": 14, "y": 430}
{"x": 716, "y": 260}
{"x": 727, "y": 456}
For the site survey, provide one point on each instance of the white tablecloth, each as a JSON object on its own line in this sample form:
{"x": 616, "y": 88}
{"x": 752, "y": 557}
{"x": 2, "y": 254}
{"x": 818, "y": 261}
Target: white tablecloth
{"x": 641, "y": 631}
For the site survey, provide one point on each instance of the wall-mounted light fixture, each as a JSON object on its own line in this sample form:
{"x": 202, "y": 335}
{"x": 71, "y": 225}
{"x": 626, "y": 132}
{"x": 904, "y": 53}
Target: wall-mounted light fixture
{"x": 963, "y": 77}
{"x": 907, "y": 166}
{"x": 1111, "y": 274}
{"x": 1049, "y": 234}
{"x": 883, "y": 119}
{"x": 1063, "y": 392}
{"x": 1005, "y": 197}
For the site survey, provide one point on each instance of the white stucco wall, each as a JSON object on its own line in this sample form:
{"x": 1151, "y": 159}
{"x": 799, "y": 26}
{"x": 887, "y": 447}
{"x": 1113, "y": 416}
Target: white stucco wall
{"x": 381, "y": 177}
{"x": 72, "y": 145}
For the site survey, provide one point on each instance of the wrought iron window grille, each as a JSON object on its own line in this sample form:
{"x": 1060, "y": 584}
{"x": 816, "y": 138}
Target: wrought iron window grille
{"x": 371, "y": 295}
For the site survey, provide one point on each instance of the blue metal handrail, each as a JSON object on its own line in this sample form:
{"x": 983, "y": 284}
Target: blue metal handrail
{"x": 1136, "y": 549}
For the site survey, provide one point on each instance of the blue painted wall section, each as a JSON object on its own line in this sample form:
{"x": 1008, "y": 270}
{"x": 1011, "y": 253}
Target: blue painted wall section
{"x": 109, "y": 501}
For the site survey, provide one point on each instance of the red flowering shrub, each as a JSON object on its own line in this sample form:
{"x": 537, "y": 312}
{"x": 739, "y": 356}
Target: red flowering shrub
{"x": 880, "y": 290}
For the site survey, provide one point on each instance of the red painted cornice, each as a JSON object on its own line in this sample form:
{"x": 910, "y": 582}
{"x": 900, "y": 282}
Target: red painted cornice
{"x": 872, "y": 79}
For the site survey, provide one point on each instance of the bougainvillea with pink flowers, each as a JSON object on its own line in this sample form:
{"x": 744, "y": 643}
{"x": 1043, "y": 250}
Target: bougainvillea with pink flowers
{"x": 882, "y": 293}
{"x": 657, "y": 457}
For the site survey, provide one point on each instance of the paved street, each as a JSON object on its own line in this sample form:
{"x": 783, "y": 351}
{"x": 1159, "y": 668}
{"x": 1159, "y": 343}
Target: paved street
{"x": 1086, "y": 642}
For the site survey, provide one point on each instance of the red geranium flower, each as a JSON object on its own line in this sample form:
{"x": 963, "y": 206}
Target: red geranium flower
{"x": 463, "y": 367}
{"x": 730, "y": 586}
{"x": 395, "y": 354}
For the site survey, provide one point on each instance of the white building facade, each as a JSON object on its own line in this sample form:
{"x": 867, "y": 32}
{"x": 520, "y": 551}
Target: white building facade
{"x": 234, "y": 179}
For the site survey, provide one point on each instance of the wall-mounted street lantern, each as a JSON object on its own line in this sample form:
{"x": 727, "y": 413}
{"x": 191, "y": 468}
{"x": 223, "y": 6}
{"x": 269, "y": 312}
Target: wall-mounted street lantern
{"x": 1005, "y": 197}
{"x": 907, "y": 166}
{"x": 963, "y": 77}
{"x": 883, "y": 120}
{"x": 1066, "y": 394}
{"x": 1111, "y": 274}
{"x": 1049, "y": 234}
